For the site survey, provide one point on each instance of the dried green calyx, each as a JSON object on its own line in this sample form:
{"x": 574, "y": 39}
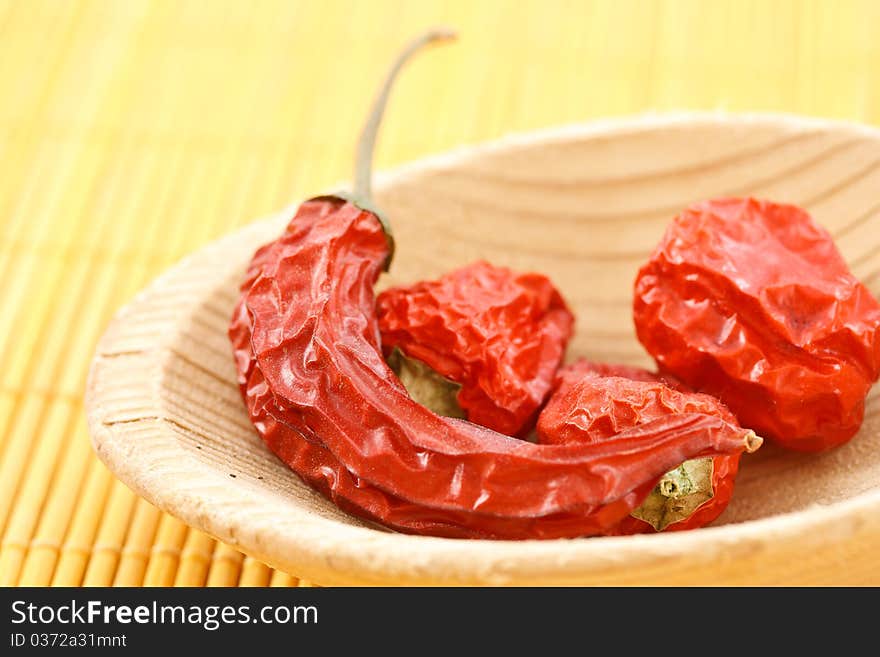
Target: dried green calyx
{"x": 678, "y": 494}
{"x": 425, "y": 386}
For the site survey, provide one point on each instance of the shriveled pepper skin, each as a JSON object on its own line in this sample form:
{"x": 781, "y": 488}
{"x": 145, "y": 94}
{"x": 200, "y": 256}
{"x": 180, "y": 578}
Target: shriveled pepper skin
{"x": 596, "y": 402}
{"x": 751, "y": 301}
{"x": 574, "y": 372}
{"x": 319, "y": 392}
{"x": 499, "y": 334}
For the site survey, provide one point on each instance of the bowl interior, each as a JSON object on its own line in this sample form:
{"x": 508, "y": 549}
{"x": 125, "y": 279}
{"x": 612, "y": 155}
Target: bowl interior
{"x": 585, "y": 206}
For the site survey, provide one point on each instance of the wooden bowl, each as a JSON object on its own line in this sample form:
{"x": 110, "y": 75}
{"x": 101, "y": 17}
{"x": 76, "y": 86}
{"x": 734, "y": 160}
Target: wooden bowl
{"x": 585, "y": 205}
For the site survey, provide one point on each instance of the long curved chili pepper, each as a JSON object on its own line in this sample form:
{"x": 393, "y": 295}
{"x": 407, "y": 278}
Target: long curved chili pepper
{"x": 308, "y": 353}
{"x": 486, "y": 343}
{"x": 318, "y": 467}
{"x": 751, "y": 301}
{"x": 595, "y": 402}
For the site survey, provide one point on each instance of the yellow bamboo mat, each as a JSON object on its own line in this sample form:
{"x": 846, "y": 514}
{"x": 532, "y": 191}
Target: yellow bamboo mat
{"x": 132, "y": 132}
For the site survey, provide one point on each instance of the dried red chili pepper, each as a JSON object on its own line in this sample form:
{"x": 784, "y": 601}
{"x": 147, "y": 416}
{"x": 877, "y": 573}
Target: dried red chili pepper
{"x": 751, "y": 301}
{"x": 595, "y": 402}
{"x": 574, "y": 372}
{"x": 486, "y": 342}
{"x": 307, "y": 349}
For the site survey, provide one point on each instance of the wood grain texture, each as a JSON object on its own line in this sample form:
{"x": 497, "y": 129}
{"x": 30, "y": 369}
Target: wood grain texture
{"x": 584, "y": 205}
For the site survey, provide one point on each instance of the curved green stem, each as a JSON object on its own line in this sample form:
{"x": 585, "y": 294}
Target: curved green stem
{"x": 364, "y": 161}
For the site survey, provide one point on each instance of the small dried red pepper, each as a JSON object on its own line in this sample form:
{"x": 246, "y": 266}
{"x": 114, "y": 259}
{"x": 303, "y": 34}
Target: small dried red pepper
{"x": 487, "y": 342}
{"x": 751, "y": 301}
{"x": 574, "y": 372}
{"x": 318, "y": 390}
{"x": 595, "y": 402}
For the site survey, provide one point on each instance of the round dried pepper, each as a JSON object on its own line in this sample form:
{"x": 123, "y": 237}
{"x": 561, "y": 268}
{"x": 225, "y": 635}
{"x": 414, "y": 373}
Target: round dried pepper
{"x": 597, "y": 402}
{"x": 751, "y": 301}
{"x": 481, "y": 343}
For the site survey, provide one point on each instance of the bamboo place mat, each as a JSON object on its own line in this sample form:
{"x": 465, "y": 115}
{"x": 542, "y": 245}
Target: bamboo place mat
{"x": 133, "y": 132}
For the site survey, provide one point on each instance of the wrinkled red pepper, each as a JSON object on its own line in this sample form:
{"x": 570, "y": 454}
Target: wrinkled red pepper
{"x": 307, "y": 349}
{"x": 498, "y": 335}
{"x": 751, "y": 301}
{"x": 595, "y": 402}
{"x": 319, "y": 392}
{"x": 574, "y": 372}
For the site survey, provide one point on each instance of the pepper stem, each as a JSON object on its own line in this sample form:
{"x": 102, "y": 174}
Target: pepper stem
{"x": 364, "y": 162}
